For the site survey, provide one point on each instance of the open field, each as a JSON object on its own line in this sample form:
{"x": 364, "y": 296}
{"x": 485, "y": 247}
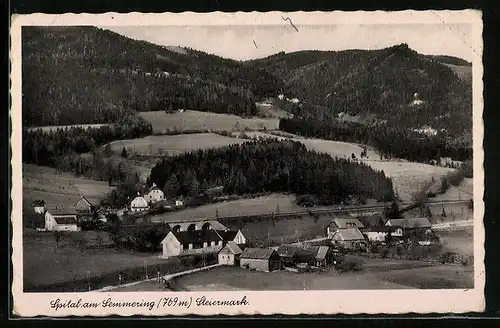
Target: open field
{"x": 376, "y": 274}
{"x": 55, "y": 127}
{"x": 63, "y": 189}
{"x": 45, "y": 264}
{"x": 250, "y": 206}
{"x": 173, "y": 144}
{"x": 464, "y": 191}
{"x": 458, "y": 240}
{"x": 191, "y": 120}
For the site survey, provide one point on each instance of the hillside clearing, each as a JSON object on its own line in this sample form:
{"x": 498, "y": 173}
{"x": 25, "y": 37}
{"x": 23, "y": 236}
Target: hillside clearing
{"x": 191, "y": 120}
{"x": 173, "y": 144}
{"x": 63, "y": 189}
{"x": 407, "y": 177}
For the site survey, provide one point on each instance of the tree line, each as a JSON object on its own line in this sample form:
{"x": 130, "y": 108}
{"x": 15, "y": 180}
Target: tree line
{"x": 269, "y": 166}
{"x": 76, "y": 149}
{"x": 102, "y": 76}
{"x": 390, "y": 141}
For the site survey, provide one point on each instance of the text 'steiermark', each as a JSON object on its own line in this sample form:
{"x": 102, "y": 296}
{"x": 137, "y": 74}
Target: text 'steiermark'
{"x": 162, "y": 302}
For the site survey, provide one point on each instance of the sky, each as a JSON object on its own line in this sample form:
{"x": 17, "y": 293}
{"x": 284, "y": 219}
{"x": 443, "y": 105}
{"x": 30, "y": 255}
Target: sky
{"x": 237, "y": 41}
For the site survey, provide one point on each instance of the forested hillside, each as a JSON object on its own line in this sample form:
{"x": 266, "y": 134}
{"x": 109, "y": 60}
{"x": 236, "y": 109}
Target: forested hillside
{"x": 76, "y": 75}
{"x": 270, "y": 166}
{"x": 377, "y": 82}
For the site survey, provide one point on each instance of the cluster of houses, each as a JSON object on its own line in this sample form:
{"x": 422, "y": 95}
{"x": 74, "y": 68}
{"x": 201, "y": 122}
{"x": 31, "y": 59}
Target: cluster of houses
{"x": 351, "y": 233}
{"x": 212, "y": 237}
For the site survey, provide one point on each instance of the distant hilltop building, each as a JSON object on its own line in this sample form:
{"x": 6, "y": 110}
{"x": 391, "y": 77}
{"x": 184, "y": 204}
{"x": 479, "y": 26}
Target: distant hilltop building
{"x": 427, "y": 130}
{"x": 416, "y": 100}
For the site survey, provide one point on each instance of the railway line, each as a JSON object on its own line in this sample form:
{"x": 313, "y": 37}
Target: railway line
{"x": 342, "y": 209}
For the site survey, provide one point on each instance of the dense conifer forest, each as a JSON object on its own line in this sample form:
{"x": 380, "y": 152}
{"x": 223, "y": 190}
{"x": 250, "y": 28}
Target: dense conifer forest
{"x": 77, "y": 75}
{"x": 382, "y": 83}
{"x": 391, "y": 141}
{"x": 270, "y": 166}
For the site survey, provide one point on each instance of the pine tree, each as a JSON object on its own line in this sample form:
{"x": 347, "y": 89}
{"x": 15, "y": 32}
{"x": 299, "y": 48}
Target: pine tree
{"x": 171, "y": 188}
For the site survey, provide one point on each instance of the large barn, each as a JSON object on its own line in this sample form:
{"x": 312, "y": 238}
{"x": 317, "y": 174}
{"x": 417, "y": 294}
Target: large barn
{"x": 261, "y": 259}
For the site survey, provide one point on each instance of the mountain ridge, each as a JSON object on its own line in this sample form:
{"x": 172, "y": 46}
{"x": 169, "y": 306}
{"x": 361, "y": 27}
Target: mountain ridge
{"x": 102, "y": 75}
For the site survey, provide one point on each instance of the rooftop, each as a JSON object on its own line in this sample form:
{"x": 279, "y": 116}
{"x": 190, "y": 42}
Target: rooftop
{"x": 257, "y": 253}
{"x": 350, "y": 234}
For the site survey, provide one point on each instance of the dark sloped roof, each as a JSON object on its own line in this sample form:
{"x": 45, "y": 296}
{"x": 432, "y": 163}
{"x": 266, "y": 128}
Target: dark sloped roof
{"x": 350, "y": 234}
{"x": 65, "y": 219}
{"x": 227, "y": 235}
{"x": 232, "y": 247}
{"x": 196, "y": 236}
{"x": 287, "y": 251}
{"x": 85, "y": 199}
{"x": 257, "y": 253}
{"x": 38, "y": 202}
{"x": 321, "y": 254}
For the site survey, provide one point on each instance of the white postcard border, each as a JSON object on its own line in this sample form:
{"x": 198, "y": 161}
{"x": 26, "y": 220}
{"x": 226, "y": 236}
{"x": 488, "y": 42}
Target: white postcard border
{"x": 259, "y": 302}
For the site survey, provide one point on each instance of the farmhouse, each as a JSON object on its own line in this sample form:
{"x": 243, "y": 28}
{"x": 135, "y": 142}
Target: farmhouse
{"x": 261, "y": 259}
{"x": 83, "y": 206}
{"x": 346, "y": 223}
{"x": 139, "y": 204}
{"x": 39, "y": 206}
{"x": 411, "y": 225}
{"x": 229, "y": 254}
{"x": 287, "y": 255}
{"x": 350, "y": 238}
{"x": 324, "y": 256}
{"x": 154, "y": 194}
{"x": 61, "y": 222}
{"x": 381, "y": 233}
{"x": 198, "y": 241}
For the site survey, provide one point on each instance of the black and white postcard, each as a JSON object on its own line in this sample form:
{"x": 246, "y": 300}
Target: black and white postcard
{"x": 247, "y": 163}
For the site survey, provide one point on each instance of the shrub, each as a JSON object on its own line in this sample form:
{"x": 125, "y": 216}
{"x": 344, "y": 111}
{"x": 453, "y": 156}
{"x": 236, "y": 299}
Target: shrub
{"x": 448, "y": 257}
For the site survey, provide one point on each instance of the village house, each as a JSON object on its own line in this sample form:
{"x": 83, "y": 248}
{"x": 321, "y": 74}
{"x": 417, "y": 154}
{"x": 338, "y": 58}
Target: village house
{"x": 324, "y": 256}
{"x": 350, "y": 238}
{"x": 54, "y": 217}
{"x": 261, "y": 259}
{"x": 381, "y": 233}
{"x": 154, "y": 195}
{"x": 83, "y": 206}
{"x": 414, "y": 225}
{"x": 179, "y": 203}
{"x": 345, "y": 223}
{"x": 39, "y": 206}
{"x": 287, "y": 254}
{"x": 139, "y": 204}
{"x": 230, "y": 254}
{"x": 198, "y": 241}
